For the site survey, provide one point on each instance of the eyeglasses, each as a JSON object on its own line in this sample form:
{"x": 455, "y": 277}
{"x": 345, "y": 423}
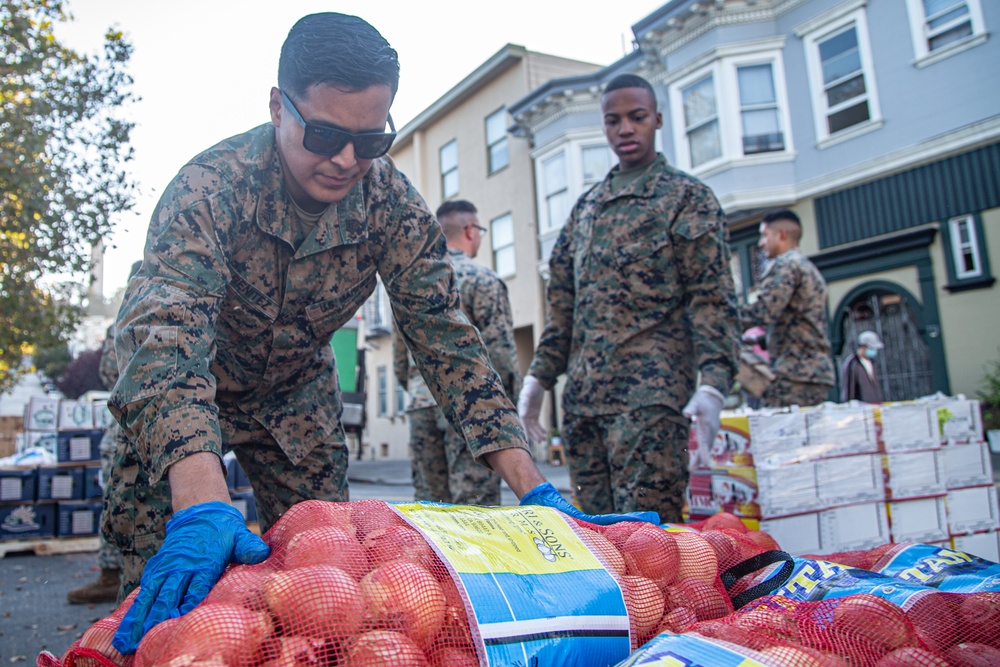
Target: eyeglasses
{"x": 330, "y": 140}
{"x": 482, "y": 230}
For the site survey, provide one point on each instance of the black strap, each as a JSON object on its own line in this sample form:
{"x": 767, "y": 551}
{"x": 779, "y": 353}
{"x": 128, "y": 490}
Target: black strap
{"x": 753, "y": 564}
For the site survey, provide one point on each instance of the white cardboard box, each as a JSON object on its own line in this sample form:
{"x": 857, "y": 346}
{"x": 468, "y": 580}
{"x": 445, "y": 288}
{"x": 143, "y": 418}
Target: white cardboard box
{"x": 772, "y": 434}
{"x": 967, "y": 465}
{"x": 918, "y": 520}
{"x": 75, "y": 415}
{"x": 908, "y": 427}
{"x": 842, "y": 429}
{"x": 854, "y": 527}
{"x": 973, "y": 510}
{"x": 796, "y": 535}
{"x": 787, "y": 489}
{"x": 47, "y": 440}
{"x": 849, "y": 480}
{"x": 915, "y": 474}
{"x": 983, "y": 545}
{"x": 41, "y": 413}
{"x": 959, "y": 419}
{"x": 102, "y": 416}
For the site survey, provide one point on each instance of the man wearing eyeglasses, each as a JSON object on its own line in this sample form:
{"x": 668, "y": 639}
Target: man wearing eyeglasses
{"x": 442, "y": 466}
{"x": 258, "y": 251}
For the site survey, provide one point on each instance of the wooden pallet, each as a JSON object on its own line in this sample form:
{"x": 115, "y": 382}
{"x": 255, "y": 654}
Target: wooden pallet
{"x": 50, "y": 545}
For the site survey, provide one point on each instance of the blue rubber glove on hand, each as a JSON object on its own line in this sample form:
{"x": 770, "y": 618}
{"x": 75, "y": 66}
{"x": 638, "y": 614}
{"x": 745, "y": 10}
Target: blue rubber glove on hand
{"x": 201, "y": 541}
{"x": 546, "y": 495}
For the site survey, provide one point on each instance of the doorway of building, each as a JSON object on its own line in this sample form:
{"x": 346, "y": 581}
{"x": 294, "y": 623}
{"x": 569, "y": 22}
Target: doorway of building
{"x": 904, "y": 366}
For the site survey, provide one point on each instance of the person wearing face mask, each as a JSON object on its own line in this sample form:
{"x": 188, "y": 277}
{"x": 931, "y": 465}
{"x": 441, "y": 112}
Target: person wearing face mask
{"x": 858, "y": 377}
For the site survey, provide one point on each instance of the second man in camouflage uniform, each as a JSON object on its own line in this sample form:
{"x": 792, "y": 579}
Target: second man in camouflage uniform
{"x": 443, "y": 467}
{"x": 641, "y": 301}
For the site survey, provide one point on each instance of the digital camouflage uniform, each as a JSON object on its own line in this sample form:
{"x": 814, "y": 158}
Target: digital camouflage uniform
{"x": 792, "y": 304}
{"x": 641, "y": 299}
{"x": 442, "y": 465}
{"x": 223, "y": 337}
{"x": 109, "y": 557}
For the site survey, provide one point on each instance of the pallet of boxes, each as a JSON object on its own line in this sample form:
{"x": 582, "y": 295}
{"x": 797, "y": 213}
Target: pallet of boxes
{"x": 54, "y": 507}
{"x": 842, "y": 477}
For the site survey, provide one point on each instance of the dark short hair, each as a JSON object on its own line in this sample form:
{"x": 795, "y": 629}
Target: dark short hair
{"x": 780, "y": 214}
{"x": 455, "y": 206}
{"x": 338, "y": 50}
{"x": 630, "y": 81}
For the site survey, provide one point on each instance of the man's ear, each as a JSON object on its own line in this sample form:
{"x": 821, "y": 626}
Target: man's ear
{"x": 274, "y": 105}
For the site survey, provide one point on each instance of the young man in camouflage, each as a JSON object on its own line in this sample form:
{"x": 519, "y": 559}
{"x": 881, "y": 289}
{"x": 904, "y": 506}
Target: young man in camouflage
{"x": 443, "y": 467}
{"x": 641, "y": 301}
{"x": 792, "y": 304}
{"x": 259, "y": 249}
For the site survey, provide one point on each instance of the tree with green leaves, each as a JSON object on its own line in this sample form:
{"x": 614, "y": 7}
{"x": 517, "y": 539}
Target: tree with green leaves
{"x": 64, "y": 146}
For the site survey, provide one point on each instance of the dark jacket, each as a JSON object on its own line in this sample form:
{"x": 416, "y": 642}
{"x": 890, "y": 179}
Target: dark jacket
{"x": 856, "y": 384}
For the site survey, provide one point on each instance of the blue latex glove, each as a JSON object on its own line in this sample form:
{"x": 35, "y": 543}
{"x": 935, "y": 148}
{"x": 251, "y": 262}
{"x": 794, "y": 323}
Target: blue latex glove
{"x": 201, "y": 540}
{"x": 546, "y": 495}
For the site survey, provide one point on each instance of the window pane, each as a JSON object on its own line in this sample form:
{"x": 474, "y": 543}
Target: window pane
{"x": 450, "y": 184}
{"x": 945, "y": 38}
{"x": 504, "y": 259}
{"x": 596, "y": 163}
{"x": 498, "y": 155}
{"x": 449, "y": 156}
{"x": 496, "y": 127}
{"x": 705, "y": 143}
{"x": 554, "y": 171}
{"x": 699, "y": 102}
{"x": 843, "y": 92}
{"x": 557, "y": 206}
{"x": 756, "y": 85}
{"x": 839, "y": 44}
{"x": 761, "y": 133}
{"x": 936, "y": 8}
{"x": 547, "y": 246}
{"x": 848, "y": 117}
{"x": 502, "y": 231}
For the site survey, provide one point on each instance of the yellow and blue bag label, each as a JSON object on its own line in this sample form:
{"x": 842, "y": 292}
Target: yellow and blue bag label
{"x": 944, "y": 569}
{"x": 539, "y": 596}
{"x": 688, "y": 650}
{"x": 822, "y": 580}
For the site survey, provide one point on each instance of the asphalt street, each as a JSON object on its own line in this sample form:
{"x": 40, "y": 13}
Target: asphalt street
{"x": 34, "y": 614}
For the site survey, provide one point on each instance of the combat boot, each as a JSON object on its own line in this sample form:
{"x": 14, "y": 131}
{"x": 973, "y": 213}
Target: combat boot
{"x": 105, "y": 589}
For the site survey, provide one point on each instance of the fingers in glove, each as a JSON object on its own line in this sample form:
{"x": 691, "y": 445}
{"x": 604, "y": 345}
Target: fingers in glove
{"x": 197, "y": 590}
{"x": 168, "y": 600}
{"x": 130, "y": 630}
{"x": 250, "y": 549}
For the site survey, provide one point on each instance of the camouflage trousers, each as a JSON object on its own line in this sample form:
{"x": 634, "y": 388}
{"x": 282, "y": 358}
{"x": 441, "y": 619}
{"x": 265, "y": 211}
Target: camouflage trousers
{"x": 784, "y": 392}
{"x": 442, "y": 466}
{"x": 629, "y": 462}
{"x": 109, "y": 557}
{"x": 136, "y": 512}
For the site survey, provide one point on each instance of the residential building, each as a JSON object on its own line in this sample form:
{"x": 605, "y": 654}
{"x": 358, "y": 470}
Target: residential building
{"x": 459, "y": 148}
{"x": 877, "y": 121}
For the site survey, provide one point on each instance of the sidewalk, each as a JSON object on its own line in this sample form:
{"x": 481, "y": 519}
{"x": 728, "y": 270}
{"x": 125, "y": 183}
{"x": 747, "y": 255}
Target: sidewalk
{"x": 396, "y": 472}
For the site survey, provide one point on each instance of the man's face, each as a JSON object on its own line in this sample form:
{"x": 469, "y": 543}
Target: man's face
{"x": 630, "y": 125}
{"x": 770, "y": 241}
{"x": 315, "y": 181}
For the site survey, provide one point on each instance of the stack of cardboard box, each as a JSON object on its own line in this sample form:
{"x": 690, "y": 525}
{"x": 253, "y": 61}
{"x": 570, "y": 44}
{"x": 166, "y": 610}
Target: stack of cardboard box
{"x": 842, "y": 477}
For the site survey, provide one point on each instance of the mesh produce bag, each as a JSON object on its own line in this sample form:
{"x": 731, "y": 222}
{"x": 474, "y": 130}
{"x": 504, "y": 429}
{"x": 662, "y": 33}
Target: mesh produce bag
{"x": 367, "y": 583}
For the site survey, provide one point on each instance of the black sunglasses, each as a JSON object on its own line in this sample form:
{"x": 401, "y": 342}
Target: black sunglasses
{"x": 329, "y": 140}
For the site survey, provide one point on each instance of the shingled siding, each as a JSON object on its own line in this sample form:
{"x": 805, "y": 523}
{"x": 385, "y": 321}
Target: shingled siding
{"x": 966, "y": 183}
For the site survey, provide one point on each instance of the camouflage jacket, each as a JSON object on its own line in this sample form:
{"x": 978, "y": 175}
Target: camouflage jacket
{"x": 641, "y": 297}
{"x": 226, "y": 315}
{"x": 792, "y": 304}
{"x": 485, "y": 302}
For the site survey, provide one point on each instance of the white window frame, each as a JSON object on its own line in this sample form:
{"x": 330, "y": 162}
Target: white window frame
{"x": 548, "y": 224}
{"x": 723, "y": 70}
{"x": 376, "y": 313}
{"x": 958, "y": 248}
{"x": 814, "y": 65}
{"x": 923, "y": 55}
{"x": 445, "y": 193}
{"x": 490, "y": 167}
{"x": 400, "y": 398}
{"x": 496, "y": 226}
{"x": 382, "y": 397}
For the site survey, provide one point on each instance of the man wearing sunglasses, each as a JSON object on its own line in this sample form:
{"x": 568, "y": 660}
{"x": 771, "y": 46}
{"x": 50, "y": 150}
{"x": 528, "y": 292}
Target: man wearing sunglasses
{"x": 258, "y": 251}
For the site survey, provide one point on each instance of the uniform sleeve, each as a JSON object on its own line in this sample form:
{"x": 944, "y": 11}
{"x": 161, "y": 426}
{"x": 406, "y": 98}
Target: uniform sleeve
{"x": 107, "y": 369}
{"x": 165, "y": 332}
{"x": 710, "y": 295}
{"x": 491, "y": 315}
{"x": 776, "y": 291}
{"x": 446, "y": 348}
{"x": 552, "y": 352}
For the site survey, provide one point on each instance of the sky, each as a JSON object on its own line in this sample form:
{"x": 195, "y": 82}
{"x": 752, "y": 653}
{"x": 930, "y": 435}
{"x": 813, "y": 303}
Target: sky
{"x": 203, "y": 68}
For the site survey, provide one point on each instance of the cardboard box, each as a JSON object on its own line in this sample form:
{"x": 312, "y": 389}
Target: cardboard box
{"x": 10, "y": 427}
{"x": 102, "y": 416}
{"x": 75, "y": 415}
{"x": 92, "y": 482}
{"x": 79, "y": 446}
{"x": 973, "y": 510}
{"x": 700, "y": 503}
{"x": 797, "y": 535}
{"x": 787, "y": 489}
{"x": 983, "y": 545}
{"x": 854, "y": 527}
{"x": 966, "y": 465}
{"x": 849, "y": 480}
{"x": 18, "y": 484}
{"x": 243, "y": 501}
{"x": 731, "y": 447}
{"x": 841, "y": 430}
{"x": 918, "y": 520}
{"x": 41, "y": 413}
{"x": 774, "y": 433}
{"x": 58, "y": 483}
{"x": 734, "y": 490}
{"x": 915, "y": 474}
{"x": 24, "y": 521}
{"x": 908, "y": 427}
{"x": 78, "y": 519}
{"x": 959, "y": 419}
{"x": 47, "y": 440}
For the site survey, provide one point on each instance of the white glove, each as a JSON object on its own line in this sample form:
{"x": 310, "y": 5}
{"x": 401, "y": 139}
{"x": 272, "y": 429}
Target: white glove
{"x": 529, "y": 408}
{"x": 705, "y": 411}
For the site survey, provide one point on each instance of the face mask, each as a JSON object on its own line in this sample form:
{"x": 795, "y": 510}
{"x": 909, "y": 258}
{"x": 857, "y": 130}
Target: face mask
{"x": 870, "y": 353}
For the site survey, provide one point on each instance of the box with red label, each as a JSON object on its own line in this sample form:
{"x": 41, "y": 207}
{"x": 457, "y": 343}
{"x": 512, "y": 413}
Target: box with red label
{"x": 914, "y": 474}
{"x": 839, "y": 430}
{"x": 967, "y": 464}
{"x": 734, "y": 490}
{"x": 907, "y": 427}
{"x": 774, "y": 433}
{"x": 700, "y": 503}
{"x": 731, "y": 447}
{"x": 918, "y": 520}
{"x": 849, "y": 479}
{"x": 787, "y": 489}
{"x": 973, "y": 510}
{"x": 854, "y": 527}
